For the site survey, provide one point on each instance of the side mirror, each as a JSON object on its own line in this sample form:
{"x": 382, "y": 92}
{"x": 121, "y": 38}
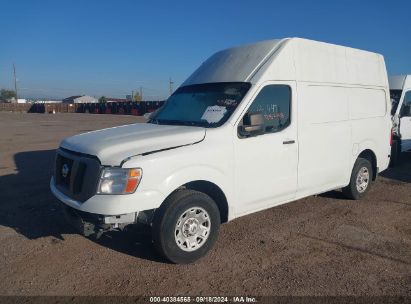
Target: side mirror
{"x": 253, "y": 124}
{"x": 148, "y": 115}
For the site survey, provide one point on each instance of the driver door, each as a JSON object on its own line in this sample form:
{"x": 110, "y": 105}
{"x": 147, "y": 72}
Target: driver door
{"x": 266, "y": 161}
{"x": 405, "y": 123}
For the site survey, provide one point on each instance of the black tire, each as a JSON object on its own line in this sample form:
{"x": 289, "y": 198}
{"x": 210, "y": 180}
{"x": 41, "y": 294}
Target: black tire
{"x": 165, "y": 220}
{"x": 351, "y": 191}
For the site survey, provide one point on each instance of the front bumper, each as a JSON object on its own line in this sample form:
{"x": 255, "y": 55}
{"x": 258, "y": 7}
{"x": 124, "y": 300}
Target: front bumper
{"x": 86, "y": 224}
{"x": 112, "y": 205}
{"x": 89, "y": 224}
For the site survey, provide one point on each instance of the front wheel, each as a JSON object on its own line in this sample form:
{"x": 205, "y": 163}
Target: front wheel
{"x": 186, "y": 226}
{"x": 361, "y": 178}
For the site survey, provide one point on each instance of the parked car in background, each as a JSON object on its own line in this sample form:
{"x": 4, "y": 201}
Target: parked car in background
{"x": 400, "y": 89}
{"x": 253, "y": 127}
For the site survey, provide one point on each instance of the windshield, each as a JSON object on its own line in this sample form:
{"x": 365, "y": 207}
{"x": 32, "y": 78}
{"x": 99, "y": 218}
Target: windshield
{"x": 395, "y": 100}
{"x": 207, "y": 105}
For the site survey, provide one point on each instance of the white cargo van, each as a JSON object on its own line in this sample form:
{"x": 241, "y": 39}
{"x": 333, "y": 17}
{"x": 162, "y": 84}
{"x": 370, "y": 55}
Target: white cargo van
{"x": 253, "y": 127}
{"x": 400, "y": 89}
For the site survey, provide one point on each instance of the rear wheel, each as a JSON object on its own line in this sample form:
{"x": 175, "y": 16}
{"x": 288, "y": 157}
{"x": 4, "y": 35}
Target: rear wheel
{"x": 186, "y": 226}
{"x": 361, "y": 178}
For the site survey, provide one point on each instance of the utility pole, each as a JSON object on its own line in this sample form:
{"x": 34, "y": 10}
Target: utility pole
{"x": 15, "y": 82}
{"x": 170, "y": 82}
{"x": 132, "y": 95}
{"x": 141, "y": 93}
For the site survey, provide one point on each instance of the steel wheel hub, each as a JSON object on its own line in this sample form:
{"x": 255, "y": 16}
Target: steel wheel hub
{"x": 363, "y": 179}
{"x": 192, "y": 229}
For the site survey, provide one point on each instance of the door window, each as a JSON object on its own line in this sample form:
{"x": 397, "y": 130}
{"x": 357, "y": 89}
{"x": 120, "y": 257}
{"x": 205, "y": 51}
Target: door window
{"x": 406, "y": 105}
{"x": 407, "y": 98}
{"x": 274, "y": 103}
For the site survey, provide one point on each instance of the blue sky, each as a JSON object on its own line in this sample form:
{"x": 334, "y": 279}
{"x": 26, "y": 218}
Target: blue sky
{"x": 109, "y": 48}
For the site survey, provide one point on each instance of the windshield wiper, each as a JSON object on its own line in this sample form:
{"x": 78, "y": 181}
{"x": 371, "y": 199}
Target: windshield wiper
{"x": 178, "y": 122}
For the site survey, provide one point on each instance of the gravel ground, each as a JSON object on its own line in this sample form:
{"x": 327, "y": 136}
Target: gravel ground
{"x": 321, "y": 245}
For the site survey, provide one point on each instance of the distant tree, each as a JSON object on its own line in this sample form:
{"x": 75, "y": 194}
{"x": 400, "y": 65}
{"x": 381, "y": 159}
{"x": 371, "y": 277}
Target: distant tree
{"x": 7, "y": 95}
{"x": 102, "y": 99}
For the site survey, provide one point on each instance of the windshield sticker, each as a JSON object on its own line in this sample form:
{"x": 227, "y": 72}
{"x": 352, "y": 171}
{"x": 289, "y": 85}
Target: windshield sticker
{"x": 227, "y": 102}
{"x": 214, "y": 114}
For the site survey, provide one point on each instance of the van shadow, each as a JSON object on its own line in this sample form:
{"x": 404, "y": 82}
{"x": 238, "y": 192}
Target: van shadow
{"x": 26, "y": 204}
{"x": 402, "y": 170}
{"x": 28, "y": 207}
{"x": 134, "y": 241}
{"x": 335, "y": 194}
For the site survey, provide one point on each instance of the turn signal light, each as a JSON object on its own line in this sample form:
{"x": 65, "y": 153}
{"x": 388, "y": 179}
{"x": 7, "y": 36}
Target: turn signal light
{"x": 133, "y": 180}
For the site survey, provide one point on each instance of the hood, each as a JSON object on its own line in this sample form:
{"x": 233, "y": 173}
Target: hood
{"x": 114, "y": 145}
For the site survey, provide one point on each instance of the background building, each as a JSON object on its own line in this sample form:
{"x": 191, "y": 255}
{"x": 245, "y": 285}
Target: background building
{"x": 80, "y": 99}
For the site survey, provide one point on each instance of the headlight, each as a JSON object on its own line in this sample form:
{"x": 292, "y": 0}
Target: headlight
{"x": 119, "y": 180}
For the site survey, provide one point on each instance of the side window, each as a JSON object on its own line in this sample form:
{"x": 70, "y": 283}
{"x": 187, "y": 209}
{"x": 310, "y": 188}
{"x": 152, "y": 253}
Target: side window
{"x": 274, "y": 103}
{"x": 407, "y": 98}
{"x": 395, "y": 100}
{"x": 406, "y": 105}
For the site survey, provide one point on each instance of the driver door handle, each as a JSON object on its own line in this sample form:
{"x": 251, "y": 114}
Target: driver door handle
{"x": 289, "y": 142}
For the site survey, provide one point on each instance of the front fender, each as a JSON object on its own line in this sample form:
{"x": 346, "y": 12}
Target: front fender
{"x": 196, "y": 173}
{"x": 167, "y": 174}
{"x": 166, "y": 171}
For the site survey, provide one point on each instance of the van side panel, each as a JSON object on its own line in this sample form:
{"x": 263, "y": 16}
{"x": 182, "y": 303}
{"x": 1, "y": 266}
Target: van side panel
{"x": 370, "y": 123}
{"x": 326, "y": 63}
{"x": 343, "y": 109}
{"x": 320, "y": 63}
{"x": 366, "y": 68}
{"x": 324, "y": 134}
{"x": 367, "y": 103}
{"x": 336, "y": 124}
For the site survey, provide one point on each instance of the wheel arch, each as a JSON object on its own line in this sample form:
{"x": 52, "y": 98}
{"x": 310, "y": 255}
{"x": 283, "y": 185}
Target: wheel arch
{"x": 370, "y": 155}
{"x": 212, "y": 190}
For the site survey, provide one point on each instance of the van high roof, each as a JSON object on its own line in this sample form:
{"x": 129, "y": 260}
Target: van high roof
{"x": 292, "y": 58}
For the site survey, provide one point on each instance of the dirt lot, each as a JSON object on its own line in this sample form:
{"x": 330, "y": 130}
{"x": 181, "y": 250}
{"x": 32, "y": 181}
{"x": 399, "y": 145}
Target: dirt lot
{"x": 321, "y": 245}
